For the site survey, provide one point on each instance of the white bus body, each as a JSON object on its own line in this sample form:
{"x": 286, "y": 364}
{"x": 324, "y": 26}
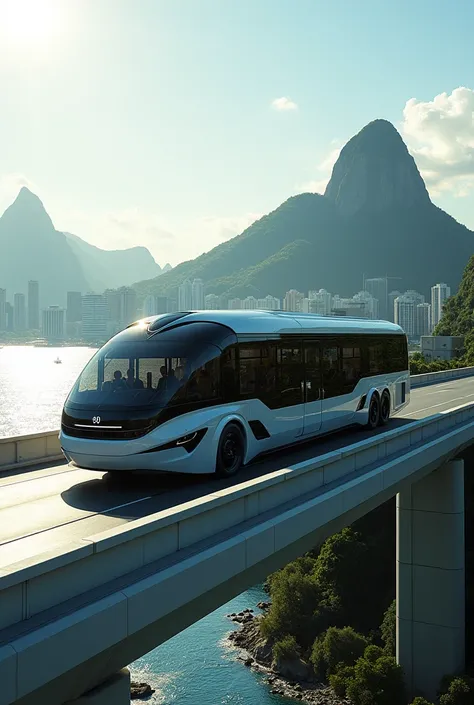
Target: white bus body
{"x": 209, "y": 391}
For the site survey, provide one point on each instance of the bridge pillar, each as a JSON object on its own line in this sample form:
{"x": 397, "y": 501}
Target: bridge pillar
{"x": 114, "y": 691}
{"x": 430, "y": 579}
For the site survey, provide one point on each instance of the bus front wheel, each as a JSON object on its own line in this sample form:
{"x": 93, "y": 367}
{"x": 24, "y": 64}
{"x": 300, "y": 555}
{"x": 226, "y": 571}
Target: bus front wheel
{"x": 230, "y": 451}
{"x": 374, "y": 413}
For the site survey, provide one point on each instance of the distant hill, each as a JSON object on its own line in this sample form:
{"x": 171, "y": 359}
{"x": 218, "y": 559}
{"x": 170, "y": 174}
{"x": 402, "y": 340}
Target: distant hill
{"x": 114, "y": 267}
{"x": 375, "y": 218}
{"x": 31, "y": 248}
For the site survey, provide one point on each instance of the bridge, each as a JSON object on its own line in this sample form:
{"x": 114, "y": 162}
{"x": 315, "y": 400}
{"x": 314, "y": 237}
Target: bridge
{"x": 95, "y": 571}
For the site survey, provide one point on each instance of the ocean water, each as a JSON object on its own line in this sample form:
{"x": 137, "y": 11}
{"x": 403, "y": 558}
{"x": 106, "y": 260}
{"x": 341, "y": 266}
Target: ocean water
{"x": 197, "y": 666}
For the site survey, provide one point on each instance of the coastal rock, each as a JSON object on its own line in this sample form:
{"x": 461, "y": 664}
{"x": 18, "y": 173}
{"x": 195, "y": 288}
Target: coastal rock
{"x": 294, "y": 670}
{"x": 140, "y": 691}
{"x": 264, "y": 605}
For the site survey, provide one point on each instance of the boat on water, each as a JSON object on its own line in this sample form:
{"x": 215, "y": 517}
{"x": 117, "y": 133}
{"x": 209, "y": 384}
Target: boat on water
{"x": 57, "y": 361}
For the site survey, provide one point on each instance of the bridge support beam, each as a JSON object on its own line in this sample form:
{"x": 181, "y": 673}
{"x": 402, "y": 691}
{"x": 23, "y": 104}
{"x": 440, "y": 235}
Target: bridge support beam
{"x": 430, "y": 579}
{"x": 114, "y": 691}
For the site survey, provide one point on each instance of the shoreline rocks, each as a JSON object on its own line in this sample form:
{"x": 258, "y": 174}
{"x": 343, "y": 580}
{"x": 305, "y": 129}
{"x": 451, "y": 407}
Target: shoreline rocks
{"x": 290, "y": 679}
{"x": 140, "y": 691}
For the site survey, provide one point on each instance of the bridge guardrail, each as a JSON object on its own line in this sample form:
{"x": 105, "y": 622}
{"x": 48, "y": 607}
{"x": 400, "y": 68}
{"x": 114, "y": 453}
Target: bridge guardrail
{"x": 437, "y": 377}
{"x": 137, "y": 573}
{"x": 31, "y": 449}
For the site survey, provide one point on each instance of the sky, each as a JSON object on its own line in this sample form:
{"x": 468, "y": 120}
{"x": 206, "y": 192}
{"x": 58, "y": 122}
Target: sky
{"x": 175, "y": 124}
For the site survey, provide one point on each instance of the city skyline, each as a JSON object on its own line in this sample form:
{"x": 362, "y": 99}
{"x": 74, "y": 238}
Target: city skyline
{"x": 97, "y": 316}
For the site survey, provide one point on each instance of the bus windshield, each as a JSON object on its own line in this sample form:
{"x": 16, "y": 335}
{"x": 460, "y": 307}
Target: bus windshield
{"x": 130, "y": 374}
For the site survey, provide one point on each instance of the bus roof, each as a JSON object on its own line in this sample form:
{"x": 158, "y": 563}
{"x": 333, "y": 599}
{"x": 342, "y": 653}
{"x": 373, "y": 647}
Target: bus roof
{"x": 279, "y": 322}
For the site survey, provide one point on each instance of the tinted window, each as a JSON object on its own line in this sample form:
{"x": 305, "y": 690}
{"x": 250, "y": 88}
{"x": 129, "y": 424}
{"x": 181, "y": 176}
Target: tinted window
{"x": 333, "y": 382}
{"x": 257, "y": 372}
{"x": 351, "y": 367}
{"x": 312, "y": 353}
{"x": 289, "y": 375}
{"x": 125, "y": 374}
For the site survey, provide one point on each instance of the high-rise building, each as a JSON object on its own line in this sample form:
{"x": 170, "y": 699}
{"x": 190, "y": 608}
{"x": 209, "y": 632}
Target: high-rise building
{"x": 269, "y": 303}
{"x": 154, "y": 305}
{"x": 3, "y": 313}
{"x": 121, "y": 306}
{"x": 423, "y": 319}
{"x": 52, "y": 323}
{"x": 234, "y": 304}
{"x": 94, "y": 317}
{"x": 319, "y": 302}
{"x": 371, "y": 305}
{"x": 250, "y": 303}
{"x": 212, "y": 302}
{"x": 197, "y": 295}
{"x": 391, "y": 304}
{"x": 405, "y": 307}
{"x": 185, "y": 296}
{"x": 33, "y": 306}
{"x": 293, "y": 300}
{"x": 9, "y": 316}
{"x": 416, "y": 296}
{"x": 19, "y": 312}
{"x": 378, "y": 289}
{"x": 439, "y": 294}
{"x": 74, "y": 307}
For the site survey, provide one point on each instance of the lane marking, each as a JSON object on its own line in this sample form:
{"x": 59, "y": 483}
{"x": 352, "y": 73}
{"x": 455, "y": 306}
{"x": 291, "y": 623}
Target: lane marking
{"x": 427, "y": 408}
{"x": 74, "y": 521}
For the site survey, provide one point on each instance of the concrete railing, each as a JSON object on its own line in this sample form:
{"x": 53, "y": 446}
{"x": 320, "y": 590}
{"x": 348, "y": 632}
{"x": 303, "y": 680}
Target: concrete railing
{"x": 31, "y": 449}
{"x": 121, "y": 582}
{"x": 443, "y": 376}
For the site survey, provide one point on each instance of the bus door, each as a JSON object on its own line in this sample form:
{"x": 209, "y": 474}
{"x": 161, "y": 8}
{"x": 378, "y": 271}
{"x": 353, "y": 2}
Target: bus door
{"x": 312, "y": 387}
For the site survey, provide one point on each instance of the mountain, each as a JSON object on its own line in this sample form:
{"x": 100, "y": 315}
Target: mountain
{"x": 31, "y": 248}
{"x": 375, "y": 218}
{"x": 115, "y": 268}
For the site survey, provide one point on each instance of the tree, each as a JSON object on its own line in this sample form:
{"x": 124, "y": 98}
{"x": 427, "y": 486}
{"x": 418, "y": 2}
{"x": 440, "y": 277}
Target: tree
{"x": 388, "y": 629}
{"x": 457, "y": 691}
{"x": 375, "y": 679}
{"x": 286, "y": 649}
{"x": 335, "y": 647}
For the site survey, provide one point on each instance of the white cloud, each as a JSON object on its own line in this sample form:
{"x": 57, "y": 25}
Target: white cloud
{"x": 284, "y": 103}
{"x": 440, "y": 135}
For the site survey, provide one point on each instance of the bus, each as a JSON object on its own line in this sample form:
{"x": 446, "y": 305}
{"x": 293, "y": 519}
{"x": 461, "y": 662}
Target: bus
{"x": 209, "y": 391}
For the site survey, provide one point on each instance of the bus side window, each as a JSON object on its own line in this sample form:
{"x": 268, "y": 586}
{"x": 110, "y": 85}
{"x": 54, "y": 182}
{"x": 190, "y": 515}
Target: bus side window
{"x": 332, "y": 372}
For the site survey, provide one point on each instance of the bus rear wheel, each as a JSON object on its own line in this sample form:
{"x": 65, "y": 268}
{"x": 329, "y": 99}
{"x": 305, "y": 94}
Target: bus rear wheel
{"x": 384, "y": 409}
{"x": 374, "y": 413}
{"x": 230, "y": 451}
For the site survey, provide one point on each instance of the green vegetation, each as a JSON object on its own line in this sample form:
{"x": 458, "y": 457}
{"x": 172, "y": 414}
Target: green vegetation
{"x": 419, "y": 366}
{"x": 375, "y": 679}
{"x": 286, "y": 649}
{"x": 336, "y": 647}
{"x": 457, "y": 690}
{"x": 388, "y": 629}
{"x": 458, "y": 313}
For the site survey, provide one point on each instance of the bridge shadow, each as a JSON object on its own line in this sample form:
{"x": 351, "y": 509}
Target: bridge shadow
{"x": 138, "y": 494}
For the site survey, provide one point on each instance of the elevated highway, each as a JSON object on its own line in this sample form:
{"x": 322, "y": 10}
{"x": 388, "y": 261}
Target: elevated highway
{"x": 97, "y": 570}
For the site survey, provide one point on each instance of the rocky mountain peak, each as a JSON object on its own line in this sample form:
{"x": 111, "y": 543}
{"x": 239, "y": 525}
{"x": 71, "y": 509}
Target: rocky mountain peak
{"x": 375, "y": 171}
{"x": 27, "y": 209}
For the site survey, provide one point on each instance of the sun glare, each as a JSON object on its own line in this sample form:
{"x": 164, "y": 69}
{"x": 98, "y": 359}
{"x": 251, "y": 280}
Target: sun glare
{"x": 28, "y": 22}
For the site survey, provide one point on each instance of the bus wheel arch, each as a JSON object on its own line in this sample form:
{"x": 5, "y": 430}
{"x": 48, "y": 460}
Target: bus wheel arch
{"x": 231, "y": 449}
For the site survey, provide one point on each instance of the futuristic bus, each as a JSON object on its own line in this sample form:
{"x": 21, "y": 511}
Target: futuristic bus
{"x": 208, "y": 391}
